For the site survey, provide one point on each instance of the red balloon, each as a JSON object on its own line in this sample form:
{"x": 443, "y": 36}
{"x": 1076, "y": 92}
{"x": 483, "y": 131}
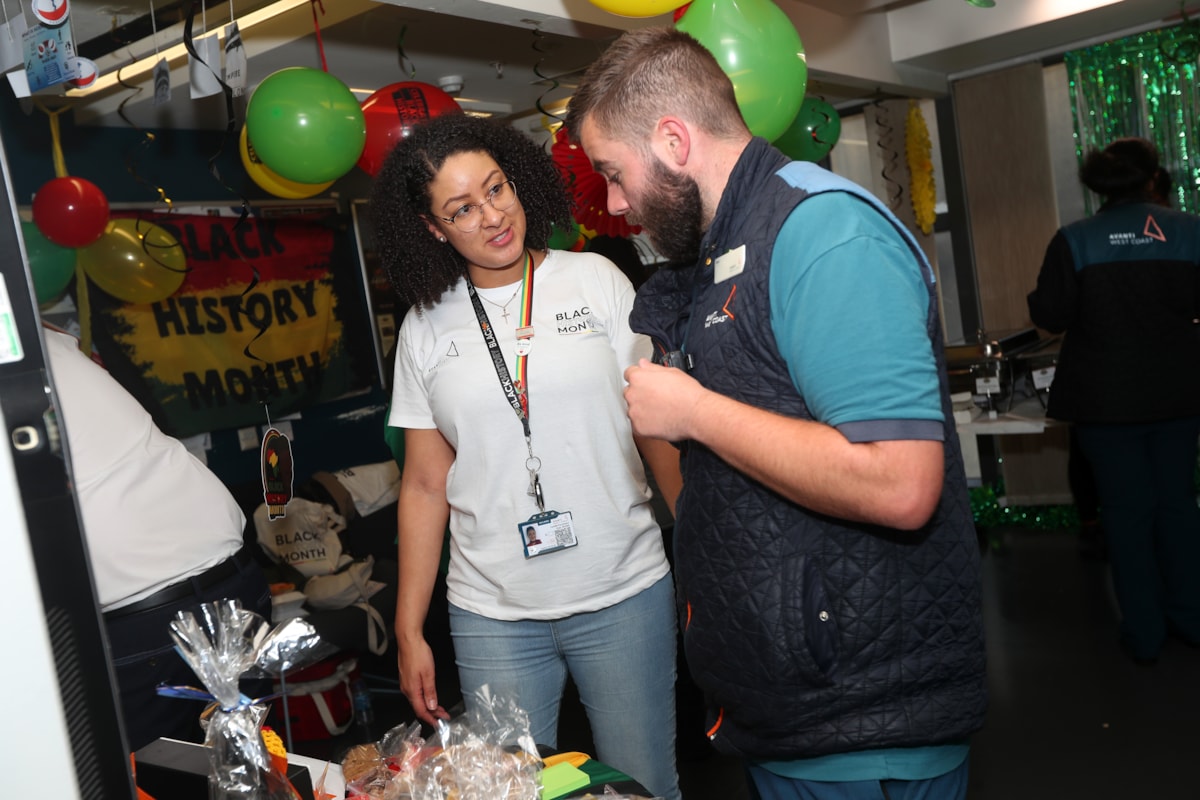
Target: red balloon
{"x": 391, "y": 112}
{"x": 71, "y": 212}
{"x": 679, "y": 12}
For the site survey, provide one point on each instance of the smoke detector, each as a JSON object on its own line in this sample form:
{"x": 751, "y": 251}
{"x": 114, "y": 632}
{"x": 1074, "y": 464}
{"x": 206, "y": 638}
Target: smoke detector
{"x": 450, "y": 84}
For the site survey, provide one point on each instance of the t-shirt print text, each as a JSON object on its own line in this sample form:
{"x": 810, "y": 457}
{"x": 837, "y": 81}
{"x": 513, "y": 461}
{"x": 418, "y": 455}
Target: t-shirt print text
{"x": 577, "y": 320}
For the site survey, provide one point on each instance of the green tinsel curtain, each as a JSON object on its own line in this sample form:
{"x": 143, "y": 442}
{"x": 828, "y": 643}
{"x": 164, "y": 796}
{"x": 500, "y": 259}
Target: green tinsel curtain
{"x": 1143, "y": 85}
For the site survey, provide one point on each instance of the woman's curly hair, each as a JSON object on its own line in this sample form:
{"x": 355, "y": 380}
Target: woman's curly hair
{"x": 420, "y": 267}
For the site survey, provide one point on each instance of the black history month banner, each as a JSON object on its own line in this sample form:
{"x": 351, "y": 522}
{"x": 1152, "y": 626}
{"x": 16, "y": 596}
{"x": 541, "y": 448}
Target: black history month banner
{"x": 268, "y": 313}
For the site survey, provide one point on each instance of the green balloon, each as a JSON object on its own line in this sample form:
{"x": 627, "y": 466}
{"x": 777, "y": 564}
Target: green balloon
{"x": 52, "y": 266}
{"x": 758, "y": 48}
{"x": 306, "y": 125}
{"x": 813, "y": 133}
{"x": 563, "y": 238}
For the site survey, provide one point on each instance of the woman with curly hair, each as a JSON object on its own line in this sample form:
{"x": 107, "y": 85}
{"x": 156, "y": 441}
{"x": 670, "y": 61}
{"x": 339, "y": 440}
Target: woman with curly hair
{"x": 511, "y": 401}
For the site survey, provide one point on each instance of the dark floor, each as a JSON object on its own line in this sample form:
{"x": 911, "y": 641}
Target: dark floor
{"x": 1070, "y": 716}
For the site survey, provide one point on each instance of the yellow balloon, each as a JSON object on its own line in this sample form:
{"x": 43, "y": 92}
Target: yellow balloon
{"x": 638, "y": 8}
{"x": 270, "y": 181}
{"x": 135, "y": 261}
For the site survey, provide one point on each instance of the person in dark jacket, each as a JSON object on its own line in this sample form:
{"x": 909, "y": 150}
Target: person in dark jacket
{"x": 1123, "y": 285}
{"x": 827, "y": 564}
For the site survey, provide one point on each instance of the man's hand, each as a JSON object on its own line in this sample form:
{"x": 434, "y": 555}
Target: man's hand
{"x": 893, "y": 483}
{"x": 663, "y": 401}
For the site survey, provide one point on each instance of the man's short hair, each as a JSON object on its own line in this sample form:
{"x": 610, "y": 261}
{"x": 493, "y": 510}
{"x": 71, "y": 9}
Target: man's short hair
{"x": 651, "y": 72}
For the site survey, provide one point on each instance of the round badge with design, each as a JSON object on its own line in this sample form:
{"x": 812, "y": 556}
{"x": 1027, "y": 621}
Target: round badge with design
{"x": 50, "y": 12}
{"x": 85, "y": 72}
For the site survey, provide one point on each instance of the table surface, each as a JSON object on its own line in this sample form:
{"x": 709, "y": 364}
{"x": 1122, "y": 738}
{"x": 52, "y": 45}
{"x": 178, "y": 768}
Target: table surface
{"x": 1025, "y": 416}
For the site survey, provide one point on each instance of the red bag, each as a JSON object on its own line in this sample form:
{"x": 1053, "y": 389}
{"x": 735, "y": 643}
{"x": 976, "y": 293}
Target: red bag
{"x": 319, "y": 703}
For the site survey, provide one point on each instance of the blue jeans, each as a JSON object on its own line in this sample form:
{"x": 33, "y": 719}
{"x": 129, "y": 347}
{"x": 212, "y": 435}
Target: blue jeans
{"x": 766, "y": 785}
{"x": 622, "y": 660}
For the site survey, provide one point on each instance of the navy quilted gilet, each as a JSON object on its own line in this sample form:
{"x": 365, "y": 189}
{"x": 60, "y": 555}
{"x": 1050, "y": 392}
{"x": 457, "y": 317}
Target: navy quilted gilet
{"x": 809, "y": 635}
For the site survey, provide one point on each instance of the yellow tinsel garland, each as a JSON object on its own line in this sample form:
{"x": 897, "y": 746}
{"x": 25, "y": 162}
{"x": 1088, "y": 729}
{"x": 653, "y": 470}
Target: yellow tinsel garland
{"x": 918, "y": 150}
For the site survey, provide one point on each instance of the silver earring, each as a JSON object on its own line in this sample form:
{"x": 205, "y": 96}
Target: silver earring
{"x": 442, "y": 239}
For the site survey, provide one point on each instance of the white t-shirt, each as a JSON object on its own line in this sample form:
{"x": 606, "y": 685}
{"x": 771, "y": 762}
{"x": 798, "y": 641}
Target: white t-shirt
{"x": 581, "y": 346}
{"x": 152, "y": 513}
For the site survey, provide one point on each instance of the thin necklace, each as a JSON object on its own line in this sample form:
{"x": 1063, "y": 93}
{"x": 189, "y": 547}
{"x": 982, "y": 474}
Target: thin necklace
{"x": 504, "y": 308}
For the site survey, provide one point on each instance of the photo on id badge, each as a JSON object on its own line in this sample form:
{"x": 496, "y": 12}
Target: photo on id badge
{"x": 546, "y": 533}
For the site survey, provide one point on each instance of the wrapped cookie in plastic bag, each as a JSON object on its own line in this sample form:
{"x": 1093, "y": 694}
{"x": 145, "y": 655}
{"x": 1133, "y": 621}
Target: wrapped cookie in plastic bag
{"x": 484, "y": 754}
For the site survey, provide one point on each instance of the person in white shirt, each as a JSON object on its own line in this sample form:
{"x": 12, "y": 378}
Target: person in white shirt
{"x": 508, "y": 382}
{"x": 163, "y": 534}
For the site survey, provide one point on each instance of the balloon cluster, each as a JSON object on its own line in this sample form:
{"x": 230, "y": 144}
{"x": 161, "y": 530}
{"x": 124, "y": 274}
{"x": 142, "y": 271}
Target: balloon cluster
{"x": 305, "y": 129}
{"x": 638, "y": 8}
{"x": 760, "y": 51}
{"x": 133, "y": 260}
{"x": 391, "y": 113}
{"x": 813, "y": 132}
{"x": 70, "y": 211}
{"x": 52, "y": 266}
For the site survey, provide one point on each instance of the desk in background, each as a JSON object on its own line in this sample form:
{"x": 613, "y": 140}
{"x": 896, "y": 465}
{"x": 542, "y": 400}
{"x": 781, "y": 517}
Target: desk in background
{"x": 1032, "y": 452}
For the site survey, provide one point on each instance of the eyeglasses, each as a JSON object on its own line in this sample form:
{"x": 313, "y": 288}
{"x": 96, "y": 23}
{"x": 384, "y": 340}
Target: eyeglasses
{"x": 468, "y": 218}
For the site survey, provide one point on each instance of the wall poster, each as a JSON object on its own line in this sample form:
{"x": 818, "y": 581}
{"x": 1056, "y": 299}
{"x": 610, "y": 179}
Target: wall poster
{"x": 270, "y": 318}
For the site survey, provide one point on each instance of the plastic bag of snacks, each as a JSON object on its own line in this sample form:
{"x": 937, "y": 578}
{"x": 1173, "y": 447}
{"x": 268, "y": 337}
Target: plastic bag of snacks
{"x": 223, "y": 644}
{"x": 485, "y": 754}
{"x": 382, "y": 770}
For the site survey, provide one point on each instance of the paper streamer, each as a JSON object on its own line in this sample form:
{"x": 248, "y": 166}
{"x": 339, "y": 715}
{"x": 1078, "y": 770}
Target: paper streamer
{"x": 147, "y": 140}
{"x": 538, "y": 41}
{"x": 891, "y": 156}
{"x": 229, "y": 137}
{"x": 405, "y": 65}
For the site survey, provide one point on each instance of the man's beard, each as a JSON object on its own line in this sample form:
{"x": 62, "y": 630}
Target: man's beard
{"x": 672, "y": 215}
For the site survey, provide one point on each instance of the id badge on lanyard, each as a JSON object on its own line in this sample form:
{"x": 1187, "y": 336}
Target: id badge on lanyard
{"x": 546, "y": 531}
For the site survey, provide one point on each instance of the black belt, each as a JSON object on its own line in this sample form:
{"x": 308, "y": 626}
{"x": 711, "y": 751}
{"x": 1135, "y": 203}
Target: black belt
{"x": 188, "y": 587}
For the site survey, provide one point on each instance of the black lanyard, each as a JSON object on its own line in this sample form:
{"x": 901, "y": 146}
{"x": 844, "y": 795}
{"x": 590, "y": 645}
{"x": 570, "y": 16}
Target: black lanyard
{"x": 516, "y": 392}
